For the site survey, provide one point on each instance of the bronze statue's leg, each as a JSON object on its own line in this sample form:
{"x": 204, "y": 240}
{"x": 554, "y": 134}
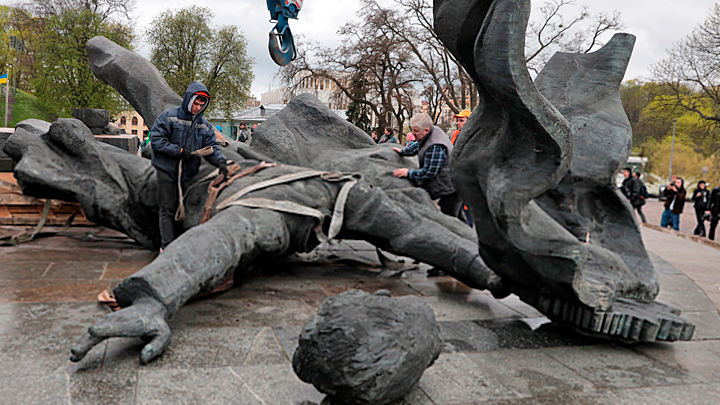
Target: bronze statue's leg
{"x": 400, "y": 225}
{"x": 206, "y": 255}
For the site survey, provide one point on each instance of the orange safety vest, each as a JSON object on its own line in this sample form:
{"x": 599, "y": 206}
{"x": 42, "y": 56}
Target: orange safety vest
{"x": 454, "y": 136}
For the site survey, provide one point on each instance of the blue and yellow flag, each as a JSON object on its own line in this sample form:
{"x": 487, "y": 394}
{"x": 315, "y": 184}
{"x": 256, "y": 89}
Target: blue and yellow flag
{"x": 3, "y": 79}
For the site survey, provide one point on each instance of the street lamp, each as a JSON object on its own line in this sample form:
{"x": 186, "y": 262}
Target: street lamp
{"x": 672, "y": 149}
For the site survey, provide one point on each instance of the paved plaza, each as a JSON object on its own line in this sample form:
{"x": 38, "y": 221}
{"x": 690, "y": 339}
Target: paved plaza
{"x": 236, "y": 347}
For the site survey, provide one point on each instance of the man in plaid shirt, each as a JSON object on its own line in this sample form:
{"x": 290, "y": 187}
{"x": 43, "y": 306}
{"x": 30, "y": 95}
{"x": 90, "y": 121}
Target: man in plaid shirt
{"x": 433, "y": 148}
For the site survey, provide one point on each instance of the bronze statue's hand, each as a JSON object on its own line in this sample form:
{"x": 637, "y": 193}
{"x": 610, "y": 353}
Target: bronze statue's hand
{"x": 145, "y": 318}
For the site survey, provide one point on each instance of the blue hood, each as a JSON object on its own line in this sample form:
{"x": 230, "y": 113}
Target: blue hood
{"x": 193, "y": 88}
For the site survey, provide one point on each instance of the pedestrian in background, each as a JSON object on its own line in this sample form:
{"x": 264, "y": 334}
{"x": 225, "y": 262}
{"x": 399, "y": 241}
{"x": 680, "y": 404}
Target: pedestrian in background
{"x": 644, "y": 195}
{"x": 410, "y": 138}
{"x": 244, "y": 135}
{"x": 374, "y": 136}
{"x": 461, "y": 118}
{"x": 388, "y": 136}
{"x": 674, "y": 204}
{"x": 714, "y": 208}
{"x": 700, "y": 196}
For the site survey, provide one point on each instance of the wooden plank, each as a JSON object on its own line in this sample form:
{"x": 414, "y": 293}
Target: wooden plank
{"x": 25, "y": 209}
{"x": 4, "y": 212}
{"x": 8, "y": 177}
{"x": 18, "y": 199}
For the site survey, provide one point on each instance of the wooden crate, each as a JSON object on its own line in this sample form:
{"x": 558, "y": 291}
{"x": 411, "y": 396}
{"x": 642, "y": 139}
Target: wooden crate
{"x": 19, "y": 209}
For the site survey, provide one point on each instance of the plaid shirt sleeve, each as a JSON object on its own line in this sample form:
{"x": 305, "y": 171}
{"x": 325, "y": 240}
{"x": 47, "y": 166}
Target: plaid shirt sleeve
{"x": 434, "y": 159}
{"x": 411, "y": 150}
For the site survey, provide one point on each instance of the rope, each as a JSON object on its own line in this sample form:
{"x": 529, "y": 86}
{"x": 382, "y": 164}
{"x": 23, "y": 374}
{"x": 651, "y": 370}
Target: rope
{"x": 338, "y": 215}
{"x": 287, "y": 178}
{"x": 180, "y": 213}
{"x": 218, "y": 184}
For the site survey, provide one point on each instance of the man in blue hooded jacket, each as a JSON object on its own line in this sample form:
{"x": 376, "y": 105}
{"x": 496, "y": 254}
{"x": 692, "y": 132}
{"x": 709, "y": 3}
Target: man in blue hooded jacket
{"x": 176, "y": 134}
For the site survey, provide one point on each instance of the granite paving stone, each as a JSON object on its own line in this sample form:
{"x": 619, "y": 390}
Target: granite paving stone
{"x": 277, "y": 384}
{"x": 531, "y": 373}
{"x": 207, "y": 386}
{"x": 256, "y": 311}
{"x": 50, "y": 317}
{"x": 266, "y": 349}
{"x": 691, "y": 394}
{"x": 289, "y": 338}
{"x": 23, "y": 270}
{"x": 76, "y": 270}
{"x": 236, "y": 347}
{"x": 64, "y": 255}
{"x": 561, "y": 398}
{"x": 690, "y": 299}
{"x": 367, "y": 284}
{"x": 681, "y": 292}
{"x": 534, "y": 333}
{"x": 514, "y": 333}
{"x": 467, "y": 336}
{"x": 707, "y": 324}
{"x": 661, "y": 266}
{"x": 34, "y": 390}
{"x": 434, "y": 286}
{"x": 612, "y": 366}
{"x": 58, "y": 290}
{"x": 700, "y": 360}
{"x": 456, "y": 379}
{"x": 35, "y": 355}
{"x": 475, "y": 306}
{"x": 103, "y": 388}
{"x": 190, "y": 348}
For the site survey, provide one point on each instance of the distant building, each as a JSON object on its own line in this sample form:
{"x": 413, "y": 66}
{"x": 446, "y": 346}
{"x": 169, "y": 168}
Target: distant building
{"x": 325, "y": 90}
{"x": 256, "y": 115}
{"x": 252, "y": 102}
{"x": 133, "y": 123}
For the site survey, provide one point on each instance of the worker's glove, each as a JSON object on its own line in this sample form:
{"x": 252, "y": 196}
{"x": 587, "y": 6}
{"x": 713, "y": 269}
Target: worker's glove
{"x": 186, "y": 154}
{"x": 223, "y": 169}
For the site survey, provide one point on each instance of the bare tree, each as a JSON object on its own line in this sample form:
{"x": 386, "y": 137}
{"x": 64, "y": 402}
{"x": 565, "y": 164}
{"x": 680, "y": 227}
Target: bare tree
{"x": 554, "y": 32}
{"x": 405, "y": 28}
{"x": 692, "y": 70}
{"x": 106, "y": 9}
{"x": 372, "y": 54}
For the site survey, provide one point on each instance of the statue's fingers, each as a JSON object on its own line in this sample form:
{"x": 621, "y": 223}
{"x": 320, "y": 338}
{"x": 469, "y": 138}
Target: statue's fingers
{"x": 125, "y": 323}
{"x": 157, "y": 345}
{"x": 83, "y": 346}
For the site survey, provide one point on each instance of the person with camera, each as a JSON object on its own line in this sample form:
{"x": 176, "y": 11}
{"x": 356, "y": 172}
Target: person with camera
{"x": 675, "y": 202}
{"x": 700, "y": 197}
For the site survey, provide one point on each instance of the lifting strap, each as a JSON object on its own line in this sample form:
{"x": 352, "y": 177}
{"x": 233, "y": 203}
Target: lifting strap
{"x": 337, "y": 217}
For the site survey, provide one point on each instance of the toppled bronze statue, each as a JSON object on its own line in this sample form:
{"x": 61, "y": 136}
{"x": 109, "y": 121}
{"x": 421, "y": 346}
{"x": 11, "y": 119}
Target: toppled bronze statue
{"x": 534, "y": 162}
{"x": 307, "y": 140}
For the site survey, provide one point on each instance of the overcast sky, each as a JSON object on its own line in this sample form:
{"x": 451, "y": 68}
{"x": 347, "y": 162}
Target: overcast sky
{"x": 656, "y": 23}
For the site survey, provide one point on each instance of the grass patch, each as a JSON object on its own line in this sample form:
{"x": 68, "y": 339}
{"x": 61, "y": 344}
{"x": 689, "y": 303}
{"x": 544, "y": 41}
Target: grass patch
{"x": 25, "y": 107}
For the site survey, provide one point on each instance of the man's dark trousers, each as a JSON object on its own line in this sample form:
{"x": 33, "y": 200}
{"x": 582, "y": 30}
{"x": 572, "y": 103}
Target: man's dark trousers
{"x": 452, "y": 205}
{"x": 168, "y": 197}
